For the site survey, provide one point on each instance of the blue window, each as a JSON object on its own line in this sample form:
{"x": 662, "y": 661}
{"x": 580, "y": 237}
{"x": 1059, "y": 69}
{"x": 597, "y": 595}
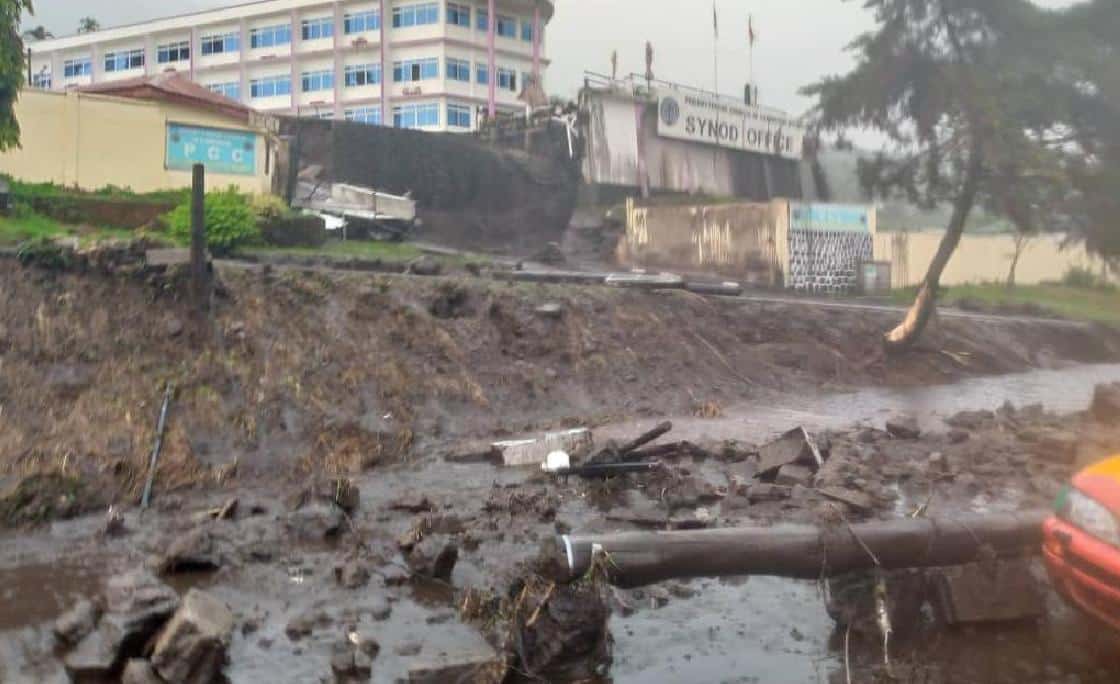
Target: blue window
{"x": 366, "y": 115}
{"x": 363, "y": 74}
{"x": 459, "y": 70}
{"x": 416, "y": 115}
{"x": 415, "y": 70}
{"x": 72, "y": 68}
{"x": 458, "y": 15}
{"x": 315, "y": 29}
{"x": 216, "y": 45}
{"x": 270, "y": 36}
{"x": 483, "y": 75}
{"x": 527, "y": 31}
{"x": 314, "y": 81}
{"x": 124, "y": 60}
{"x": 360, "y": 22}
{"x": 416, "y": 15}
{"x": 273, "y": 86}
{"x": 482, "y": 20}
{"x": 507, "y": 26}
{"x": 507, "y": 79}
{"x": 173, "y": 52}
{"x": 231, "y": 90}
{"x": 458, "y": 116}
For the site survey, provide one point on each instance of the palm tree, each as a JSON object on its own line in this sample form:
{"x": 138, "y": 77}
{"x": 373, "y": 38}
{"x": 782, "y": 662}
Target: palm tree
{"x": 37, "y": 33}
{"x": 88, "y": 25}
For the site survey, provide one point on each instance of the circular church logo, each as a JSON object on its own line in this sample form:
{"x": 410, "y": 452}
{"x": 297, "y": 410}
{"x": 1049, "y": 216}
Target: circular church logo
{"x": 670, "y": 111}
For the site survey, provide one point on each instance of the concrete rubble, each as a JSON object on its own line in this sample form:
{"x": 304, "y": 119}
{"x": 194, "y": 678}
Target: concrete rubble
{"x": 193, "y": 646}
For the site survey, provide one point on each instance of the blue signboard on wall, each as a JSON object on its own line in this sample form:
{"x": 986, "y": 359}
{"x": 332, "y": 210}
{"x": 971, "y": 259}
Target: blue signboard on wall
{"x": 846, "y": 218}
{"x": 228, "y": 152}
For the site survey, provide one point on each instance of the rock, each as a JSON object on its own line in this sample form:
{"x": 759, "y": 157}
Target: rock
{"x": 139, "y": 671}
{"x": 174, "y": 327}
{"x": 855, "y": 499}
{"x": 138, "y": 604}
{"x": 315, "y": 522}
{"x": 302, "y": 625}
{"x": 550, "y": 254}
{"x": 759, "y": 493}
{"x": 228, "y": 510}
{"x": 1056, "y": 446}
{"x": 937, "y": 463}
{"x": 681, "y": 591}
{"x": 958, "y": 436}
{"x": 192, "y": 648}
{"x": 114, "y": 523}
{"x": 365, "y": 643}
{"x": 363, "y": 665}
{"x": 96, "y": 655}
{"x": 904, "y": 427}
{"x": 352, "y": 574}
{"x": 342, "y": 660}
{"x": 1106, "y": 403}
{"x": 987, "y": 592}
{"x": 412, "y": 502}
{"x": 73, "y": 625}
{"x": 196, "y": 550}
{"x": 408, "y": 648}
{"x": 476, "y": 662}
{"x": 425, "y": 266}
{"x": 433, "y": 558}
{"x": 346, "y": 495}
{"x": 379, "y": 608}
{"x": 68, "y": 381}
{"x": 796, "y": 447}
{"x": 970, "y": 420}
{"x": 550, "y": 311}
{"x": 793, "y": 475}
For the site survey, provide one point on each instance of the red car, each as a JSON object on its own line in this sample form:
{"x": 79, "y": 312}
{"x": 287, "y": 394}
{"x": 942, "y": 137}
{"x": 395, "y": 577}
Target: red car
{"x": 1081, "y": 542}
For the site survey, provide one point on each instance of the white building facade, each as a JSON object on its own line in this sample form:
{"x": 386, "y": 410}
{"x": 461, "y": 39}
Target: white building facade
{"x": 437, "y": 65}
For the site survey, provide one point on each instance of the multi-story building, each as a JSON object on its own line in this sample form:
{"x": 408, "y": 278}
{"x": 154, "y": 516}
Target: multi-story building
{"x": 431, "y": 64}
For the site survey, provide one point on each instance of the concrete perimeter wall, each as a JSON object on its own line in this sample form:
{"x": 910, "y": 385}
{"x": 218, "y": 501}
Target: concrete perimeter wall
{"x": 745, "y": 240}
{"x": 983, "y": 259}
{"x": 91, "y": 141}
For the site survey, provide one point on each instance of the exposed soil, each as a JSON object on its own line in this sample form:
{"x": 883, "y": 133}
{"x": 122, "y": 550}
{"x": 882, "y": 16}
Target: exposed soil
{"x": 313, "y": 375}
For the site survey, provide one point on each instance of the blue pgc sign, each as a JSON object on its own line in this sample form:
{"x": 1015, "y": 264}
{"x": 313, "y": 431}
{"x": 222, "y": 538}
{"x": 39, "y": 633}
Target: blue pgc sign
{"x": 229, "y": 152}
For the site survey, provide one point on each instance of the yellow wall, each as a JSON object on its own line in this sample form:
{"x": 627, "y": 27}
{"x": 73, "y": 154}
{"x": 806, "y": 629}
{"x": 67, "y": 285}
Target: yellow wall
{"x": 981, "y": 258}
{"x": 90, "y": 141}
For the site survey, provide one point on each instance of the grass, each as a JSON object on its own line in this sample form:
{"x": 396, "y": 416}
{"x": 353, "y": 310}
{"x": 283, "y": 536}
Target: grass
{"x": 396, "y": 252}
{"x": 14, "y": 230}
{"x": 1079, "y": 303}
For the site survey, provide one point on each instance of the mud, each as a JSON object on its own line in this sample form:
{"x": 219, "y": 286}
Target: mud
{"x": 320, "y": 375}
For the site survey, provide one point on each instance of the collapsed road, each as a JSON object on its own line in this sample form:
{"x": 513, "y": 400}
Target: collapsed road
{"x": 343, "y": 554}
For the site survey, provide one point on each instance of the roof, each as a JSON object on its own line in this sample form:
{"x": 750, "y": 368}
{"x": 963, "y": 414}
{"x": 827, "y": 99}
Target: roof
{"x": 173, "y": 87}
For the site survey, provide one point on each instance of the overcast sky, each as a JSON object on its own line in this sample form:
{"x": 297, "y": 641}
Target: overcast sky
{"x": 798, "y": 41}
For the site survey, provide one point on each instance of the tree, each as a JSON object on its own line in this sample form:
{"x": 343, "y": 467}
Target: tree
{"x": 37, "y": 33}
{"x": 88, "y": 25}
{"x": 962, "y": 91}
{"x": 12, "y": 63}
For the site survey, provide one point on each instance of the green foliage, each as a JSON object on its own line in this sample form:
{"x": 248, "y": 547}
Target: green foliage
{"x": 12, "y": 69}
{"x": 88, "y": 25}
{"x": 31, "y": 191}
{"x": 45, "y": 253}
{"x": 1085, "y": 279}
{"x": 230, "y": 222}
{"x": 270, "y": 207}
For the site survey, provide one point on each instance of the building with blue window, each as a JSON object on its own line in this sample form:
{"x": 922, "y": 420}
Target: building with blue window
{"x": 439, "y": 65}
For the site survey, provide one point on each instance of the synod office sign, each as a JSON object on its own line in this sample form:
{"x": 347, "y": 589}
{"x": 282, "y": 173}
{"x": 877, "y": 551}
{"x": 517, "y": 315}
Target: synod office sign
{"x": 715, "y": 121}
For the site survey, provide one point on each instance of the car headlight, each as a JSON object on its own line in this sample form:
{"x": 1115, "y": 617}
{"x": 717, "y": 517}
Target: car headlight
{"x": 1088, "y": 514}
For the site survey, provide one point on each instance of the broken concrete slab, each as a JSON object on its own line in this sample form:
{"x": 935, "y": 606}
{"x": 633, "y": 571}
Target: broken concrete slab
{"x": 534, "y": 452}
{"x": 138, "y": 603}
{"x": 315, "y": 522}
{"x": 550, "y": 311}
{"x": 96, "y": 655}
{"x": 168, "y": 257}
{"x": 794, "y": 447}
{"x": 856, "y": 499}
{"x": 471, "y": 660}
{"x": 433, "y": 557}
{"x": 644, "y": 281}
{"x": 724, "y": 289}
{"x": 793, "y": 474}
{"x": 904, "y": 427}
{"x": 73, "y": 625}
{"x": 1000, "y": 591}
{"x": 193, "y": 647}
{"x": 197, "y": 550}
{"x": 139, "y": 671}
{"x": 569, "y": 277}
{"x": 761, "y": 493}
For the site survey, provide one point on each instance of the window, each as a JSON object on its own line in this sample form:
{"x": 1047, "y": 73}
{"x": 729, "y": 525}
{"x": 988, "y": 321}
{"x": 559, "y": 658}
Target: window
{"x": 270, "y": 36}
{"x": 458, "y": 116}
{"x": 272, "y": 86}
{"x": 231, "y": 90}
{"x": 41, "y": 80}
{"x": 415, "y": 15}
{"x": 315, "y": 29}
{"x": 72, "y": 68}
{"x": 458, "y": 15}
{"x": 360, "y": 22}
{"x": 124, "y": 60}
{"x": 314, "y": 81}
{"x": 366, "y": 115}
{"x": 507, "y": 26}
{"x": 362, "y": 75}
{"x": 483, "y": 75}
{"x": 325, "y": 114}
{"x": 482, "y": 20}
{"x": 415, "y": 70}
{"x": 459, "y": 70}
{"x": 507, "y": 79}
{"x": 174, "y": 52}
{"x": 527, "y": 31}
{"x": 416, "y": 115}
{"x": 218, "y": 44}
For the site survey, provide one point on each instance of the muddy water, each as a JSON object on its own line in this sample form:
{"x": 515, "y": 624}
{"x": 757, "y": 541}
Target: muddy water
{"x": 761, "y": 630}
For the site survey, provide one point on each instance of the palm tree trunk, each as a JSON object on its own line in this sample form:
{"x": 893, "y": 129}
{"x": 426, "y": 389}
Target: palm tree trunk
{"x": 907, "y": 333}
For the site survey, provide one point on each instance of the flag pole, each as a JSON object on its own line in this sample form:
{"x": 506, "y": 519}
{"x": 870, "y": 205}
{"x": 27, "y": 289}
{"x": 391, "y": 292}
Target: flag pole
{"x": 750, "y": 58}
{"x": 715, "y": 44}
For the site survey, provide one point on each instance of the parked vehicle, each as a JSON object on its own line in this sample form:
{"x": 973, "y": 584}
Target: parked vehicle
{"x": 1081, "y": 542}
